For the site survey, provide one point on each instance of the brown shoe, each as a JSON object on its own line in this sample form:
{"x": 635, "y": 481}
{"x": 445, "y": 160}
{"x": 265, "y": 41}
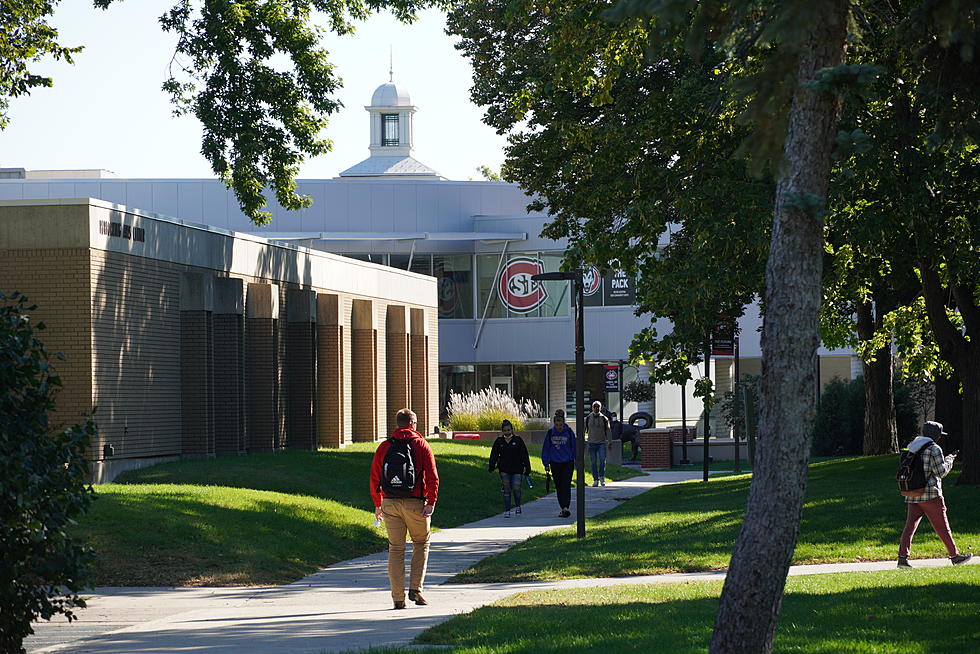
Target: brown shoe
{"x": 416, "y": 596}
{"x": 400, "y": 605}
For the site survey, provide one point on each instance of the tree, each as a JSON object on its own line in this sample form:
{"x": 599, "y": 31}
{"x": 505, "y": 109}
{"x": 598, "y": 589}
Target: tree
{"x": 631, "y": 157}
{"x": 906, "y": 207}
{"x": 42, "y": 484}
{"x": 252, "y": 71}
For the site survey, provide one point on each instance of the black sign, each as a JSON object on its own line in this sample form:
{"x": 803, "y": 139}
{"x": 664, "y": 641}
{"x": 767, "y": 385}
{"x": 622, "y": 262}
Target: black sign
{"x": 723, "y": 340}
{"x": 619, "y": 289}
{"x": 611, "y": 373}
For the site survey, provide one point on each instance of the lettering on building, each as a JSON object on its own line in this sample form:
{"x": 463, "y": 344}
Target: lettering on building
{"x": 119, "y": 230}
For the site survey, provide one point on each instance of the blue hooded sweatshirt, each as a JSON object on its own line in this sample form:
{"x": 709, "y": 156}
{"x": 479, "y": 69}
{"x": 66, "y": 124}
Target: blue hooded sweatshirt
{"x": 559, "y": 447}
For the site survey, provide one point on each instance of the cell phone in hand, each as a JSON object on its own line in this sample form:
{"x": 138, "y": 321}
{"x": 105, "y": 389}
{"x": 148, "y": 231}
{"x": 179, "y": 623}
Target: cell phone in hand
{"x": 954, "y": 453}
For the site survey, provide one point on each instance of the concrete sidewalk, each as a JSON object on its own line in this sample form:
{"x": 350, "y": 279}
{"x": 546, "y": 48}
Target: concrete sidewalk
{"x": 348, "y": 605}
{"x": 344, "y": 606}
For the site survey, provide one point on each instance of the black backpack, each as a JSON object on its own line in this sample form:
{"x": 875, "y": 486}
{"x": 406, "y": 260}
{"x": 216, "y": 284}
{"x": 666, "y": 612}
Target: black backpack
{"x": 911, "y": 474}
{"x": 398, "y": 468}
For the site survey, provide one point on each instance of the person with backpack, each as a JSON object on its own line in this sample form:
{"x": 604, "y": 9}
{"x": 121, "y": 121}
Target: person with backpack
{"x": 509, "y": 453}
{"x": 558, "y": 457}
{"x": 920, "y": 473}
{"x": 405, "y": 487}
{"x": 598, "y": 434}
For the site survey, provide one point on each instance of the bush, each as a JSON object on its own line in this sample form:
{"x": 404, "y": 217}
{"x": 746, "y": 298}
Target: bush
{"x": 484, "y": 411}
{"x": 42, "y": 485}
{"x": 839, "y": 428}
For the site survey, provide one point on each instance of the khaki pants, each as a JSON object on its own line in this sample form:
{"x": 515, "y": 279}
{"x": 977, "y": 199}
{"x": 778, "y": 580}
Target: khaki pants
{"x": 404, "y": 516}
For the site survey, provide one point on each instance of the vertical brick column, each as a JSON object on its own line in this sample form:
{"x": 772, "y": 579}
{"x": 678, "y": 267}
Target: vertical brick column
{"x": 419, "y": 362}
{"x": 655, "y": 448}
{"x": 397, "y": 364}
{"x": 229, "y": 366}
{"x": 196, "y": 356}
{"x": 299, "y": 369}
{"x": 262, "y": 367}
{"x": 330, "y": 370}
{"x": 364, "y": 371}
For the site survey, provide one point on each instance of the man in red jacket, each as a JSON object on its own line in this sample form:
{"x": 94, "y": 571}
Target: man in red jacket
{"x": 408, "y": 508}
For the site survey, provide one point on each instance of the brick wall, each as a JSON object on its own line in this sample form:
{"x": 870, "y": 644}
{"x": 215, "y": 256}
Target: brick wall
{"x": 229, "y": 388}
{"x": 261, "y": 384}
{"x": 299, "y": 368}
{"x": 136, "y": 379}
{"x": 197, "y": 383}
{"x": 419, "y": 365}
{"x": 655, "y": 448}
{"x": 364, "y": 372}
{"x": 398, "y": 365}
{"x": 59, "y": 286}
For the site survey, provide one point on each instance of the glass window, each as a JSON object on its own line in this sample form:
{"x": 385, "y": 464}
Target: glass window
{"x": 454, "y": 379}
{"x": 482, "y": 377}
{"x": 512, "y": 293}
{"x": 373, "y": 258}
{"x": 399, "y": 261}
{"x": 486, "y": 270}
{"x": 422, "y": 264}
{"x": 558, "y": 292}
{"x": 531, "y": 383}
{"x": 389, "y": 129}
{"x": 455, "y": 275}
{"x": 500, "y": 370}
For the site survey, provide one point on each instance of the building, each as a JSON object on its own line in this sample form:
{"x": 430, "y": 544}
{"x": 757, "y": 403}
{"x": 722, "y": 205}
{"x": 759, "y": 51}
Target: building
{"x": 195, "y": 341}
{"x": 476, "y": 238}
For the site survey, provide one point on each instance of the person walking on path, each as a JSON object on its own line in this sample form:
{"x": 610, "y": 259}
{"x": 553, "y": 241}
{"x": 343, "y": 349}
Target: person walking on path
{"x": 558, "y": 457}
{"x": 509, "y": 454}
{"x": 598, "y": 435}
{"x": 405, "y": 487}
{"x": 931, "y": 503}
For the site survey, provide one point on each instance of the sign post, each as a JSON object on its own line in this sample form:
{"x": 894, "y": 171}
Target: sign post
{"x": 576, "y": 277}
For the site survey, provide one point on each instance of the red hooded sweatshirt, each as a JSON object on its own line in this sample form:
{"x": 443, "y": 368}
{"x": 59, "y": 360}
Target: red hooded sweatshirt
{"x": 427, "y": 477}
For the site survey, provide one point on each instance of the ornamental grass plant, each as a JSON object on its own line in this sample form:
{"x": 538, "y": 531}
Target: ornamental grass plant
{"x": 486, "y": 409}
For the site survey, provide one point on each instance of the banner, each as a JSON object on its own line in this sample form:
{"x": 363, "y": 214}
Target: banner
{"x": 611, "y": 373}
{"x": 619, "y": 289}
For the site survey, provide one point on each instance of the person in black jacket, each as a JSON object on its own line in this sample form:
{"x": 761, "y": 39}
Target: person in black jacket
{"x": 509, "y": 454}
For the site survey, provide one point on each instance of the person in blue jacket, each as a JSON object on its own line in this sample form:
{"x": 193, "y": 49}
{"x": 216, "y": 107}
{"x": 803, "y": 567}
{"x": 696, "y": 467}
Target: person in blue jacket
{"x": 558, "y": 457}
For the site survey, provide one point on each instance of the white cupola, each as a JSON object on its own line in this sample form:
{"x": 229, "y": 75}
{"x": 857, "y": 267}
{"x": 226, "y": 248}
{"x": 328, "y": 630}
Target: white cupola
{"x": 391, "y": 113}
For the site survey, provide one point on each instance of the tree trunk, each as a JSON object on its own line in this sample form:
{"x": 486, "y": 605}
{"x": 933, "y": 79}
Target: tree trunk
{"x": 970, "y": 452}
{"x": 880, "y": 431}
{"x": 961, "y": 353}
{"x": 949, "y": 410}
{"x": 753, "y": 592}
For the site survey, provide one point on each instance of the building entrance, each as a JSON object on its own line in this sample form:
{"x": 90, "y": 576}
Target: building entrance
{"x": 502, "y": 384}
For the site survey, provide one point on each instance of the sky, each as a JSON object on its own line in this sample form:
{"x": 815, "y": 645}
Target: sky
{"x": 108, "y": 110}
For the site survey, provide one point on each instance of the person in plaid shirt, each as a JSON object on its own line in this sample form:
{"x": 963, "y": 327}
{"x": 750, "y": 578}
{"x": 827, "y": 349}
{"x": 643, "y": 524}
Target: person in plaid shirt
{"x": 930, "y": 503}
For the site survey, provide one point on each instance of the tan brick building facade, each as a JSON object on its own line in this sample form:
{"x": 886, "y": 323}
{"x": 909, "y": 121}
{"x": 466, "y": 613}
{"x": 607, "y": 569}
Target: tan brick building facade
{"x": 194, "y": 341}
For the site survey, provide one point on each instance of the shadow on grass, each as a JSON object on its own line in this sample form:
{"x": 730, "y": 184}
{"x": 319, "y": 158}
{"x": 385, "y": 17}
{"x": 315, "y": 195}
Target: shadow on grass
{"x": 936, "y": 618}
{"x": 853, "y": 511}
{"x": 193, "y": 536}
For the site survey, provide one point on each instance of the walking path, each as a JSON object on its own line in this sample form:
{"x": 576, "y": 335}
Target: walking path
{"x": 346, "y": 606}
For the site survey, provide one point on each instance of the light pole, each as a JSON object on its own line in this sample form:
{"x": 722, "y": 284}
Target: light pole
{"x": 575, "y": 277}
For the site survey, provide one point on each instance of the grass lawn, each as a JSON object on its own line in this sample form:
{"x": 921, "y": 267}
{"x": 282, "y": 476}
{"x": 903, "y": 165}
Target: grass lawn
{"x": 929, "y": 611}
{"x": 728, "y": 466}
{"x": 268, "y": 518}
{"x": 853, "y": 511}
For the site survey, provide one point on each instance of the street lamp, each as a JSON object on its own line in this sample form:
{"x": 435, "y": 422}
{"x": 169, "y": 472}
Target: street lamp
{"x": 575, "y": 276}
